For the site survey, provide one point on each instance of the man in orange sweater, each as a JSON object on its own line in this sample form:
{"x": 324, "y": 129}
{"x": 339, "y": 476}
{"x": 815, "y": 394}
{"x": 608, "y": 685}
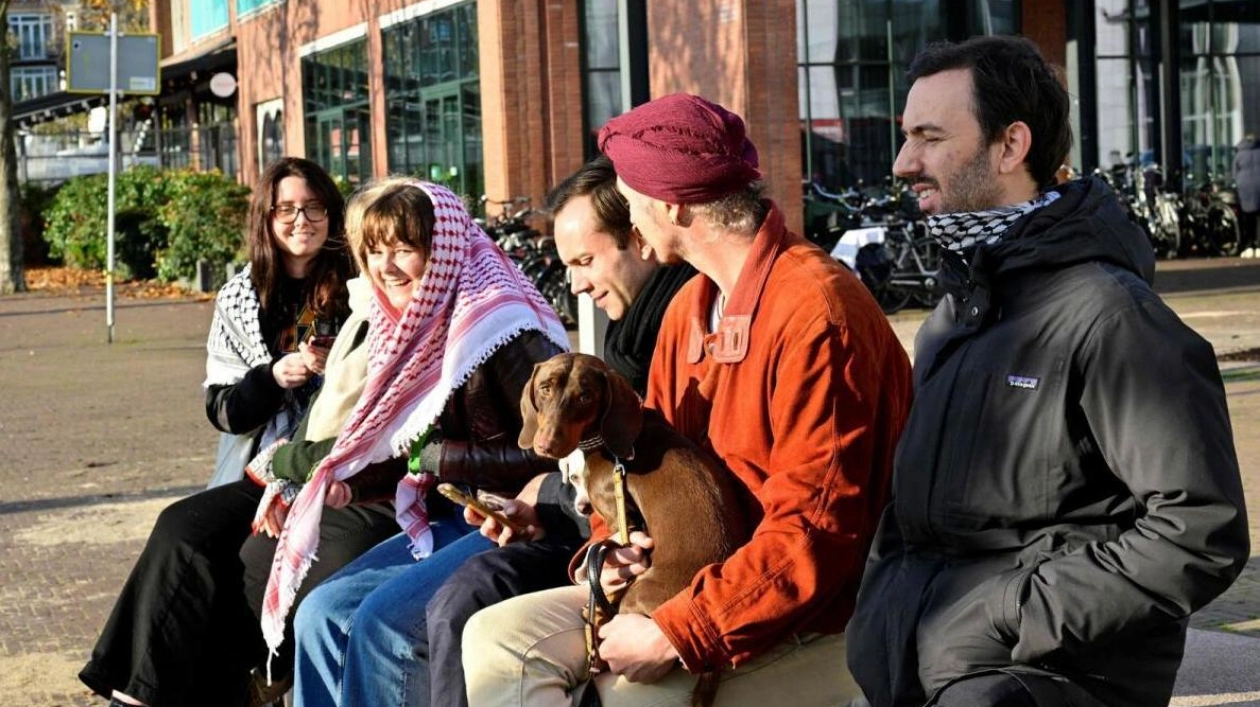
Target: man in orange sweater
{"x": 777, "y": 360}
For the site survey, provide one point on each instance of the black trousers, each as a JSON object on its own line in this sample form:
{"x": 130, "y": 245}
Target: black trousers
{"x": 482, "y": 581}
{"x": 182, "y": 633}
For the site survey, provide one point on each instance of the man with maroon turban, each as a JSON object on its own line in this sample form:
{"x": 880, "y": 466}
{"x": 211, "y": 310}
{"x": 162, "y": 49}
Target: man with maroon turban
{"x": 777, "y": 359}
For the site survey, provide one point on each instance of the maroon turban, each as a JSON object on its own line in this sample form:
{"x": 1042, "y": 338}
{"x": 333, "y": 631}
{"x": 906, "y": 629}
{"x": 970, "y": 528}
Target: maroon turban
{"x": 681, "y": 149}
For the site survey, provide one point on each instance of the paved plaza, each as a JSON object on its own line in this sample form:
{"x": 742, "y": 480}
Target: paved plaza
{"x": 95, "y": 439}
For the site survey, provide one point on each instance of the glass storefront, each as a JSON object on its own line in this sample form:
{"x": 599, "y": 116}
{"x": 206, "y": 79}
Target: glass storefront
{"x": 212, "y": 136}
{"x": 852, "y": 60}
{"x": 1220, "y": 82}
{"x": 433, "y": 99}
{"x": 1218, "y": 52}
{"x": 338, "y": 124}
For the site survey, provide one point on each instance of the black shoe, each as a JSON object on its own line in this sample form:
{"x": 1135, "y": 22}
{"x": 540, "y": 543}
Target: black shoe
{"x": 261, "y": 693}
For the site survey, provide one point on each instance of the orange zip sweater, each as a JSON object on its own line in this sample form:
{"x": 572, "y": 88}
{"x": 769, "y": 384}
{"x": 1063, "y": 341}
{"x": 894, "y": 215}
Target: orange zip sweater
{"x": 802, "y": 392}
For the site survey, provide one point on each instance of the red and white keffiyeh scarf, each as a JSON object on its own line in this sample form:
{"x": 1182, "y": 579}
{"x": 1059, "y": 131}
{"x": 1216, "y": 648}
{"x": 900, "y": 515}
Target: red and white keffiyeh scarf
{"x": 470, "y": 302}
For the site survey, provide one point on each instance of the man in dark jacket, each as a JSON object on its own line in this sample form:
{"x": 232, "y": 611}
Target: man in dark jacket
{"x": 1247, "y": 181}
{"x": 1066, "y": 490}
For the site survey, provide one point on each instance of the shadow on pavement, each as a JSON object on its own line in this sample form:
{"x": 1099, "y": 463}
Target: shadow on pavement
{"x": 47, "y": 504}
{"x": 1173, "y": 277}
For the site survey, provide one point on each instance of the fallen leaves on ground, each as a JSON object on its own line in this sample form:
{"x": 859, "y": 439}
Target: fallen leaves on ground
{"x": 75, "y": 281}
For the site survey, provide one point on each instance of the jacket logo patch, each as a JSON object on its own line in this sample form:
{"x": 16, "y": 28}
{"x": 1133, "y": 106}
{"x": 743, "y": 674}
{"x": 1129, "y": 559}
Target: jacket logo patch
{"x": 1025, "y": 382}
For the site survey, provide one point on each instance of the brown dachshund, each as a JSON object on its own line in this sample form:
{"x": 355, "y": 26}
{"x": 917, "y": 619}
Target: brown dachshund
{"x": 683, "y": 496}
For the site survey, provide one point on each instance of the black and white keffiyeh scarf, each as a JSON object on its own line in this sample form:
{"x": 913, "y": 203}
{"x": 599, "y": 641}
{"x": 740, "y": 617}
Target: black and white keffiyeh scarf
{"x": 236, "y": 345}
{"x": 963, "y": 231}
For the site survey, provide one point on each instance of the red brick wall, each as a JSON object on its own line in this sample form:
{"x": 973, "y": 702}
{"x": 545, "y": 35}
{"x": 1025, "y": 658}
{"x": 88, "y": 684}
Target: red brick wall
{"x": 531, "y": 95}
{"x": 269, "y": 66}
{"x": 742, "y": 54}
{"x": 564, "y": 92}
{"x": 1045, "y": 23}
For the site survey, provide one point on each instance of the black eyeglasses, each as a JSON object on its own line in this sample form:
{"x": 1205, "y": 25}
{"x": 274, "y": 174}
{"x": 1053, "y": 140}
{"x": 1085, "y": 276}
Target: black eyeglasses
{"x": 288, "y": 213}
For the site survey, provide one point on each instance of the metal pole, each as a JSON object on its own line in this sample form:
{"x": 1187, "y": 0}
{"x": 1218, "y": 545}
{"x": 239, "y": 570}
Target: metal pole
{"x": 113, "y": 169}
{"x": 892, "y": 95}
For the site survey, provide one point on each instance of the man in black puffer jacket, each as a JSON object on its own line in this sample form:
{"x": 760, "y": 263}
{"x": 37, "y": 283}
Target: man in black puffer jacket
{"x": 1066, "y": 490}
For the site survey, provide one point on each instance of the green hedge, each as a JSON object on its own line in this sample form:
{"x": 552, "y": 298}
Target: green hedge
{"x": 204, "y": 215}
{"x": 165, "y": 222}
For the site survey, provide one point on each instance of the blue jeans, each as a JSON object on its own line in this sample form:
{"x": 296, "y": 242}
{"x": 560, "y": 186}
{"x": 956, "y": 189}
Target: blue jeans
{"x": 356, "y": 632}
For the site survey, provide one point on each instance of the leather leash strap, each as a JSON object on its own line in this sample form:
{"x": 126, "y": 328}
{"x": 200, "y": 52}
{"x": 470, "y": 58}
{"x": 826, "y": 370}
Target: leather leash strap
{"x": 598, "y": 608}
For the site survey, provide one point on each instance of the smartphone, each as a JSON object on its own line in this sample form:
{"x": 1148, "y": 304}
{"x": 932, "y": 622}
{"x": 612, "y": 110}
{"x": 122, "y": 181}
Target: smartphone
{"x": 452, "y": 492}
{"x": 323, "y": 334}
{"x": 321, "y": 341}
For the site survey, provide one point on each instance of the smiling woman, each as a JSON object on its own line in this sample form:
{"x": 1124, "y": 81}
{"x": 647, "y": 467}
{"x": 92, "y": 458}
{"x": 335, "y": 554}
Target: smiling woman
{"x": 396, "y": 240}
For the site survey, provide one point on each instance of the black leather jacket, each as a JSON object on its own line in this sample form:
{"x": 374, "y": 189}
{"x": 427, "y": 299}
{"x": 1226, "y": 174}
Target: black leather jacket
{"x": 480, "y": 427}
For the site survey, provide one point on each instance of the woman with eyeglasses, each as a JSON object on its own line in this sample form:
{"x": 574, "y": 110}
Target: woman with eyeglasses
{"x": 181, "y": 631}
{"x": 273, "y": 321}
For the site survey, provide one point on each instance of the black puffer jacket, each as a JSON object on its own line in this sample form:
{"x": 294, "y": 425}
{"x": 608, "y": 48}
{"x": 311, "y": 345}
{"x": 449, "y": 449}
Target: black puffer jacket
{"x": 1066, "y": 490}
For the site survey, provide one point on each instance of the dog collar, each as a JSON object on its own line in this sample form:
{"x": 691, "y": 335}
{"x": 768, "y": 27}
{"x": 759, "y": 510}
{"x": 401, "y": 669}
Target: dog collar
{"x": 591, "y": 443}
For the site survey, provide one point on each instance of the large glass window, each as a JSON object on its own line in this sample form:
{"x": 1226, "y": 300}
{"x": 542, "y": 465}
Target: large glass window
{"x": 207, "y": 16}
{"x": 433, "y": 97}
{"x": 852, "y": 58}
{"x": 174, "y": 136}
{"x": 338, "y": 124}
{"x": 216, "y": 137}
{"x": 852, "y": 62}
{"x": 1220, "y": 55}
{"x": 32, "y": 33}
{"x": 601, "y": 61}
{"x": 246, "y": 6}
{"x": 27, "y": 82}
{"x": 1218, "y": 42}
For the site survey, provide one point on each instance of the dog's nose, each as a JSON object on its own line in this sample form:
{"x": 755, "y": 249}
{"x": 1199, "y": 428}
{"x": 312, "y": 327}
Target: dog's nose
{"x": 550, "y": 445}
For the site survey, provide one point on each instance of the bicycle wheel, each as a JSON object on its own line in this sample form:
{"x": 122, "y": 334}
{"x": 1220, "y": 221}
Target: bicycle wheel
{"x": 893, "y": 298}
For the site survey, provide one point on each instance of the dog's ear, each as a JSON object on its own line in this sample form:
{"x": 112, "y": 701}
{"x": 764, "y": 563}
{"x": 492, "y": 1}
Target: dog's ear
{"x": 529, "y": 412}
{"x": 623, "y": 415}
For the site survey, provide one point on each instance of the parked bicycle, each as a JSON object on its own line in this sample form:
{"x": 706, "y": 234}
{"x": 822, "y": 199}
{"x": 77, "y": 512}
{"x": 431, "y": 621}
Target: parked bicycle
{"x": 880, "y": 234}
{"x": 534, "y": 253}
{"x": 1202, "y": 221}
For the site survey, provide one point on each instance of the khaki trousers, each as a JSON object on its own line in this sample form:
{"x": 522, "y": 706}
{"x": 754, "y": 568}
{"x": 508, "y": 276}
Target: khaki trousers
{"x": 531, "y": 651}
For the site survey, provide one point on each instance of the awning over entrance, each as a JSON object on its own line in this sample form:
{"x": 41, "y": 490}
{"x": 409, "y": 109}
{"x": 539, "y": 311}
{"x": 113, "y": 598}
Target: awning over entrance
{"x": 180, "y": 70}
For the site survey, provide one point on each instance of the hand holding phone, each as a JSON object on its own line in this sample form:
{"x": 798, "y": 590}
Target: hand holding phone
{"x": 455, "y": 494}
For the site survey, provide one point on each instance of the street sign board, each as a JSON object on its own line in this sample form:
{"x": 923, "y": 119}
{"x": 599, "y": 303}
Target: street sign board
{"x": 87, "y": 70}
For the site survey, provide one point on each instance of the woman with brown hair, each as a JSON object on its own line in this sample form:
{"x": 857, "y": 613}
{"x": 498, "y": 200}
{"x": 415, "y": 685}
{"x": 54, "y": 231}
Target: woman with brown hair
{"x": 181, "y": 632}
{"x": 263, "y": 363}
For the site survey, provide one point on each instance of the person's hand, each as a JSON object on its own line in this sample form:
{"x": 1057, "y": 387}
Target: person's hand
{"x": 273, "y": 519}
{"x": 517, "y": 511}
{"x": 622, "y": 565}
{"x": 291, "y": 371}
{"x": 634, "y": 646}
{"x": 338, "y": 495}
{"x": 313, "y": 356}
